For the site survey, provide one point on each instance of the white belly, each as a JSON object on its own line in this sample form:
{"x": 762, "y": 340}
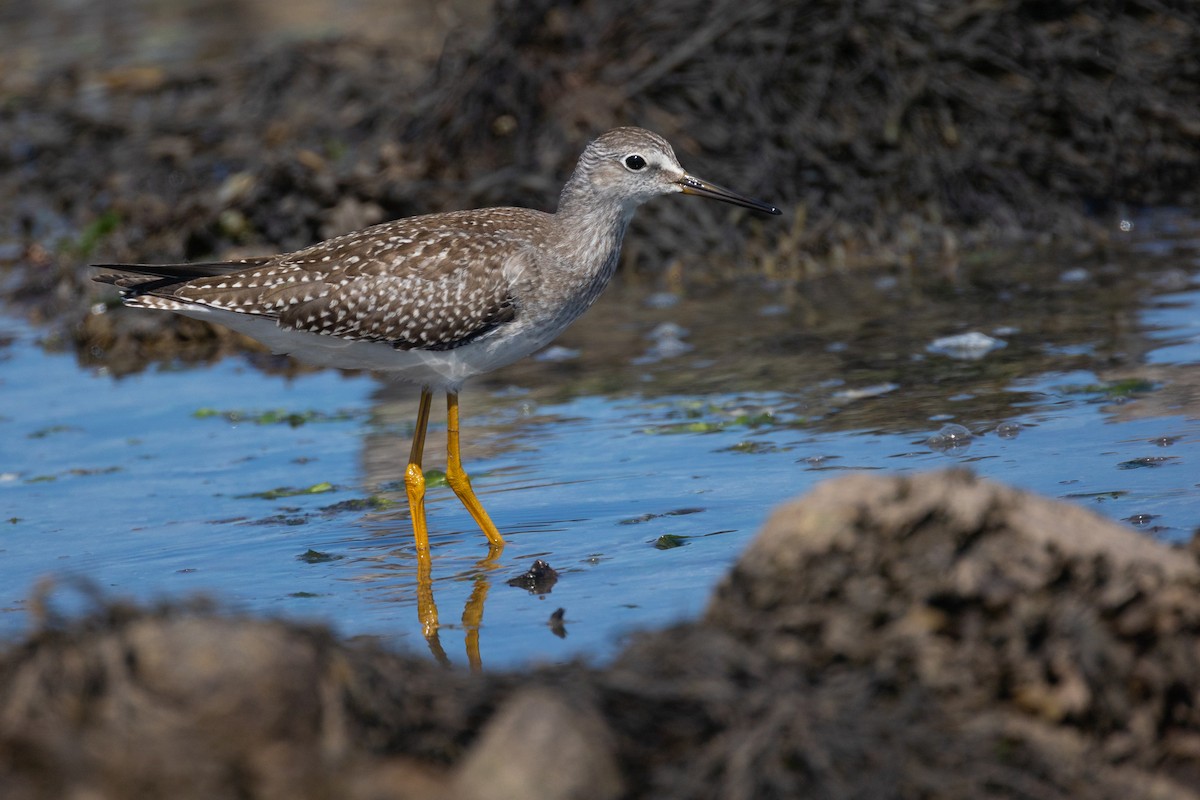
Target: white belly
{"x": 437, "y": 369}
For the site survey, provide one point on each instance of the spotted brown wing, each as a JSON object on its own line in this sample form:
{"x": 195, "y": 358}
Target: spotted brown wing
{"x": 434, "y": 282}
{"x": 413, "y": 312}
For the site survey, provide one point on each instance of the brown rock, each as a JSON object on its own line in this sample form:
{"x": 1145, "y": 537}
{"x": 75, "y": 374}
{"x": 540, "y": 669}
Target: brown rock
{"x": 979, "y": 597}
{"x": 541, "y": 745}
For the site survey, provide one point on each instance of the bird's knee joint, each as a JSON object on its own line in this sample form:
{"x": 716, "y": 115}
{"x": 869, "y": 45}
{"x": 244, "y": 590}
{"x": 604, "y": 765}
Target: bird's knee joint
{"x": 458, "y": 479}
{"x": 414, "y": 479}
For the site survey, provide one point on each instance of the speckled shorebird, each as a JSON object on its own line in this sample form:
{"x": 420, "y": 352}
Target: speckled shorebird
{"x": 439, "y": 298}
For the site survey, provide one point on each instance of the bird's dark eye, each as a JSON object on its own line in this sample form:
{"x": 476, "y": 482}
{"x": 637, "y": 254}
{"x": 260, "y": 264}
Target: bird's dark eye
{"x": 635, "y": 163}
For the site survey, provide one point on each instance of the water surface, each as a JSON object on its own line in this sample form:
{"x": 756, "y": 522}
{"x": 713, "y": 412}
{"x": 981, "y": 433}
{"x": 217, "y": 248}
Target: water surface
{"x": 637, "y": 457}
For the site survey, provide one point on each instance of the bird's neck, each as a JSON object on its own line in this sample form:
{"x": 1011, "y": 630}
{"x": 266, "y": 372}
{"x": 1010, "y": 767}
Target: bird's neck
{"x": 589, "y": 228}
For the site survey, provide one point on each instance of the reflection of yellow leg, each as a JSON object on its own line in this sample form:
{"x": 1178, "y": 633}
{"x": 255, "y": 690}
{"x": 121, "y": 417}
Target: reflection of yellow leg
{"x": 427, "y": 608}
{"x": 472, "y": 619}
{"x": 456, "y": 476}
{"x": 414, "y": 478}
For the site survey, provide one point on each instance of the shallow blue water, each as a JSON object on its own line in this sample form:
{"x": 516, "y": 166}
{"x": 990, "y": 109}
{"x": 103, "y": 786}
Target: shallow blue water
{"x": 121, "y": 482}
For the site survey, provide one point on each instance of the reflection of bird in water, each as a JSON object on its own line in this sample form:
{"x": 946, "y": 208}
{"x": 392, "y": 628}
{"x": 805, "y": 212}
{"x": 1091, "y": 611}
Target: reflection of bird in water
{"x": 439, "y": 298}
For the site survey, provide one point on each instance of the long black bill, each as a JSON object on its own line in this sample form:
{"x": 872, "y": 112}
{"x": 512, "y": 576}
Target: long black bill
{"x": 705, "y": 189}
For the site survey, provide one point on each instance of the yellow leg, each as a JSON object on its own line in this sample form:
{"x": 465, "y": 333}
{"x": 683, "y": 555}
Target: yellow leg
{"x": 414, "y": 487}
{"x": 414, "y": 478}
{"x": 457, "y": 477}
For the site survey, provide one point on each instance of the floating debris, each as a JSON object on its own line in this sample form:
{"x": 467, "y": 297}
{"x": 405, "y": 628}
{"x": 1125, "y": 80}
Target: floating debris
{"x": 311, "y": 556}
{"x": 275, "y": 416}
{"x": 866, "y": 391}
{"x": 669, "y": 541}
{"x": 288, "y": 491}
{"x": 966, "y": 346}
{"x": 538, "y": 579}
{"x": 1147, "y": 462}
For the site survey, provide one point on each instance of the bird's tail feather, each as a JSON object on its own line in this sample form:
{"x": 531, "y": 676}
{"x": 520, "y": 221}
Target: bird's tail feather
{"x": 140, "y": 279}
